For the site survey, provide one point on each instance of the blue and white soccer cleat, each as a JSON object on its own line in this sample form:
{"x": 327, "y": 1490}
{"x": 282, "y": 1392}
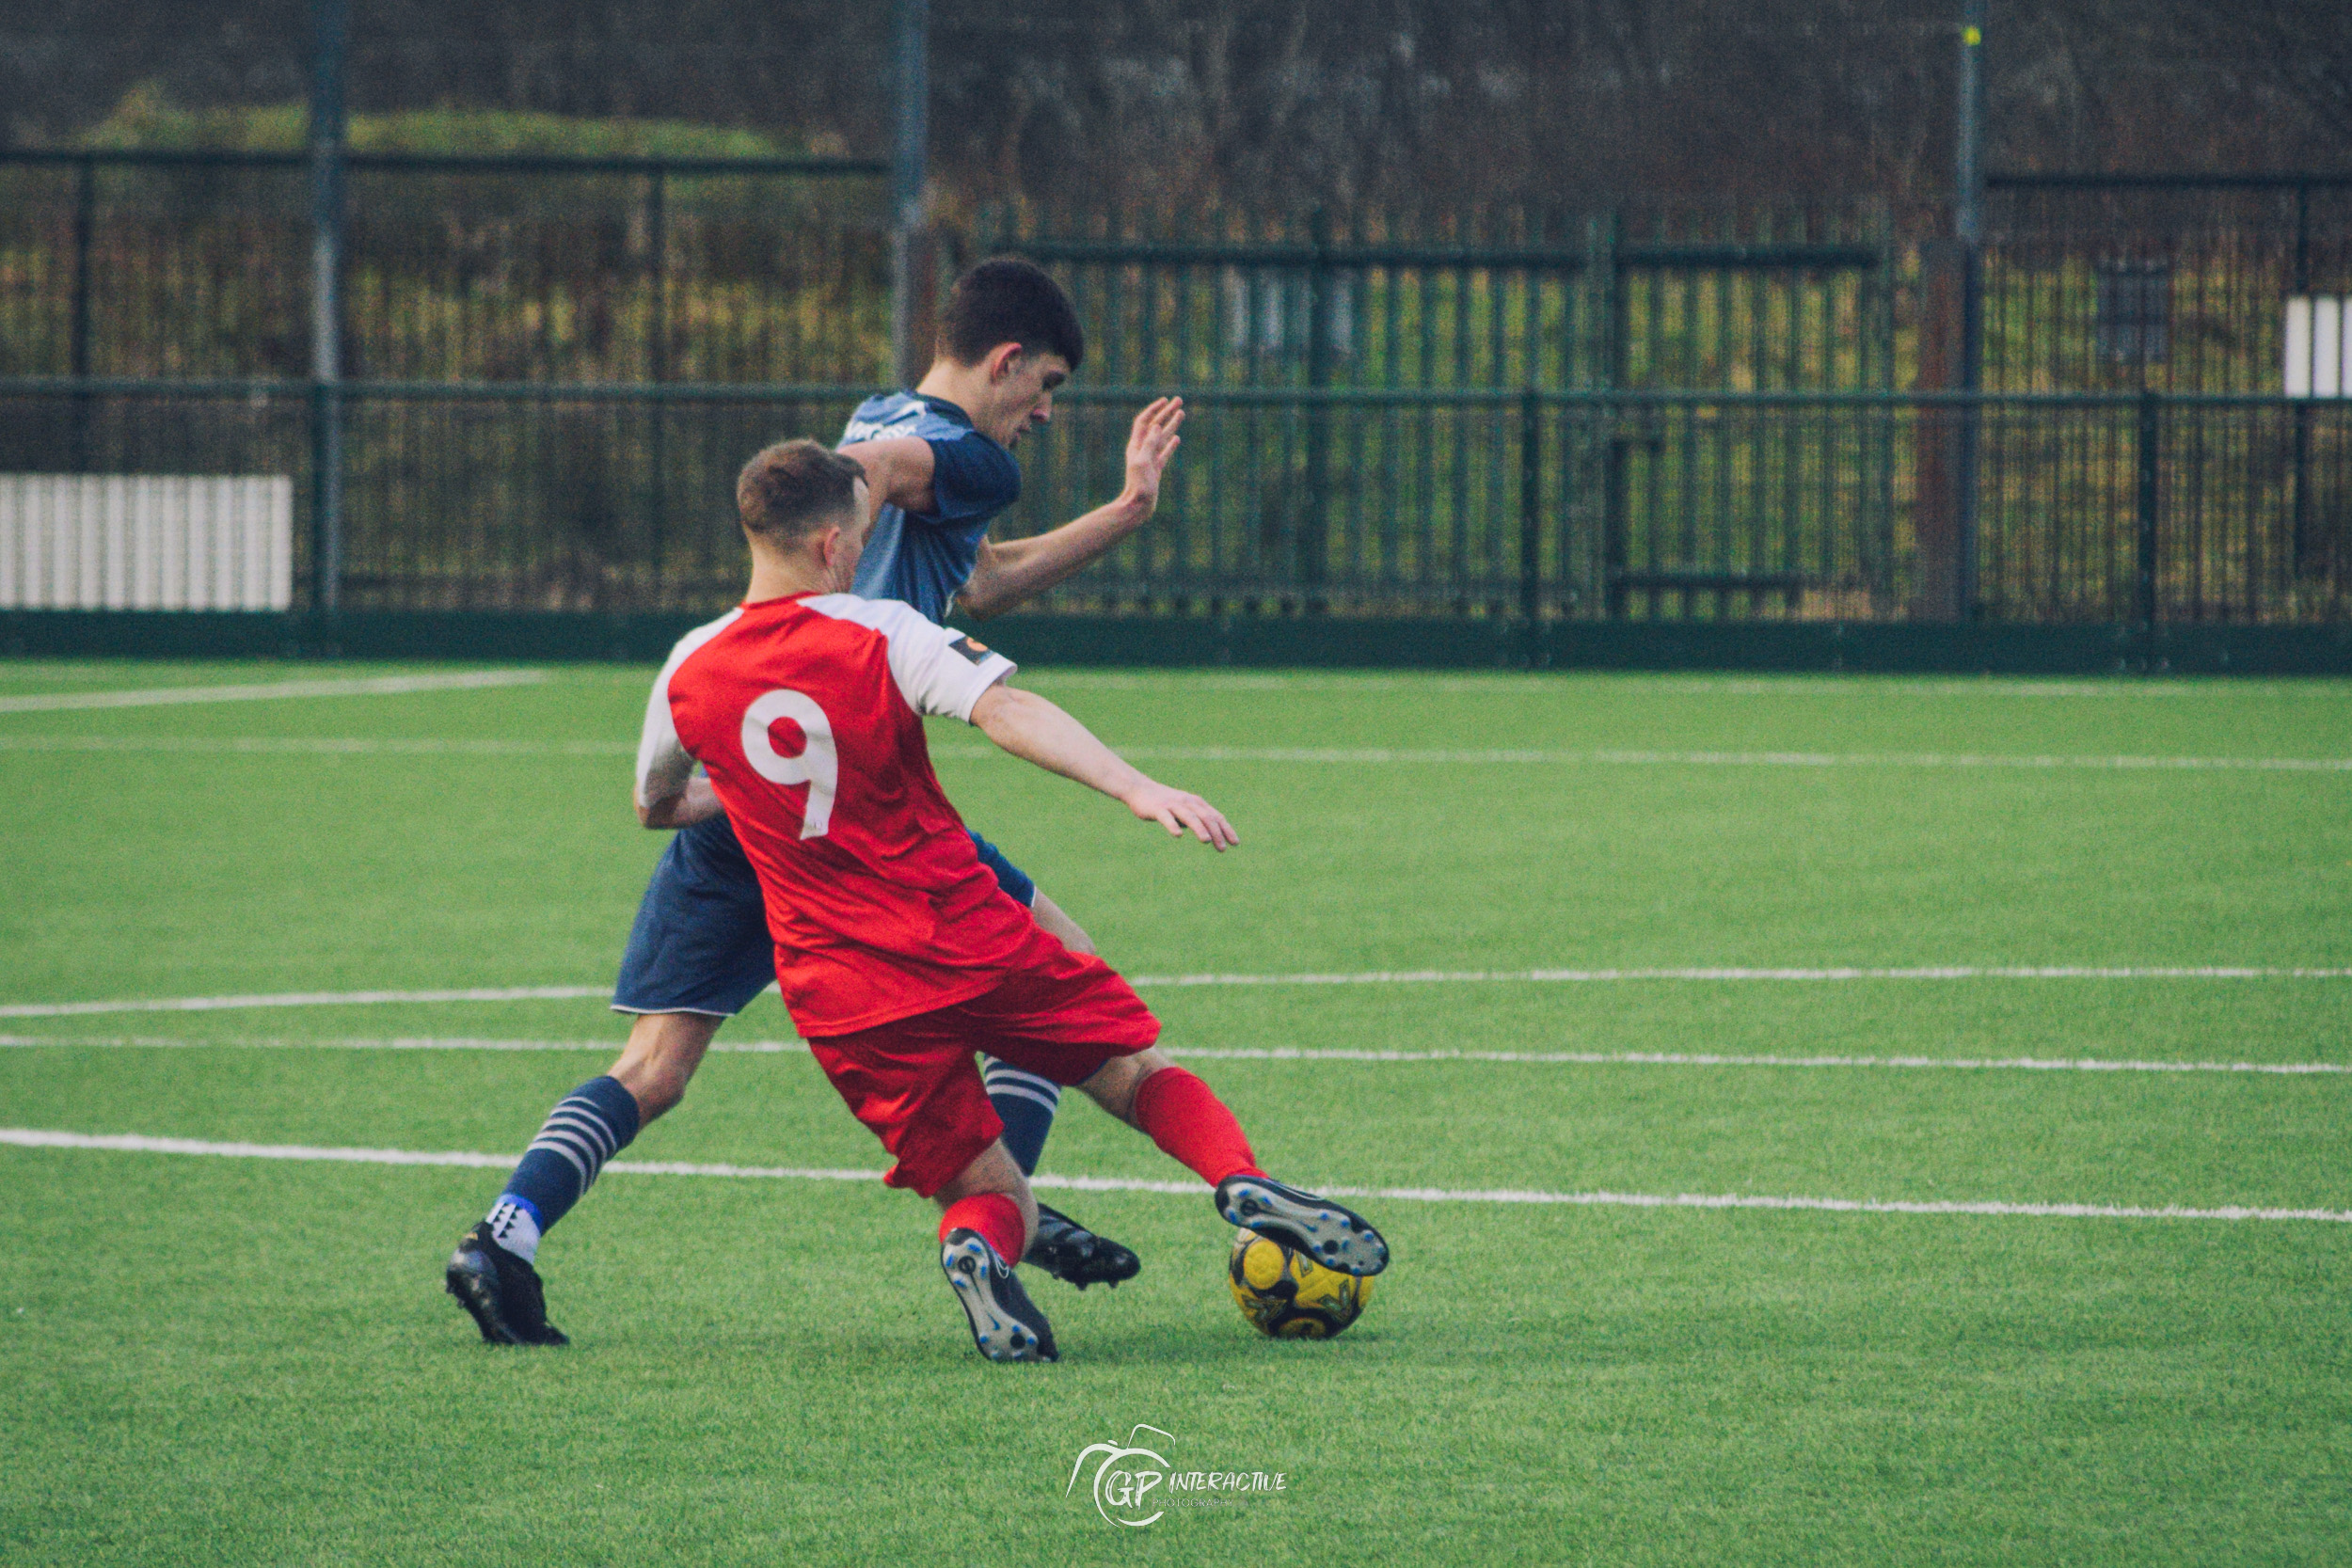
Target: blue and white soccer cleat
{"x": 1330, "y": 1233}
{"x": 1006, "y": 1323}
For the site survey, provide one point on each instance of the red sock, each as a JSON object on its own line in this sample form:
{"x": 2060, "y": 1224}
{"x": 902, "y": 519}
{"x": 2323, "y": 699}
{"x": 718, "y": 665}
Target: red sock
{"x": 995, "y": 1217}
{"x": 1188, "y": 1121}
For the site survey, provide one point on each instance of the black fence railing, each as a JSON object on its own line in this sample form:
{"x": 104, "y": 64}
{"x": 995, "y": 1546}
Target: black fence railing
{"x": 1717, "y": 298}
{"x": 1659, "y": 411}
{"x": 595, "y": 269}
{"x": 2175, "y": 282}
{"x": 1493, "y": 503}
{"x": 455, "y": 268}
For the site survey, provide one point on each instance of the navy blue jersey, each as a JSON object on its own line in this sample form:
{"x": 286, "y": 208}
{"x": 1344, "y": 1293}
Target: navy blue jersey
{"x": 925, "y": 559}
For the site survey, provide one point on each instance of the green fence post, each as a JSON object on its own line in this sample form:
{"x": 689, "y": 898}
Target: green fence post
{"x": 1968, "y": 226}
{"x": 910, "y": 170}
{"x": 1531, "y": 512}
{"x": 2151, "y": 456}
{"x": 78, "y": 362}
{"x": 331, "y": 29}
{"x": 658, "y": 369}
{"x": 1610, "y": 419}
{"x": 2300, "y": 549}
{"x": 1314, "y": 535}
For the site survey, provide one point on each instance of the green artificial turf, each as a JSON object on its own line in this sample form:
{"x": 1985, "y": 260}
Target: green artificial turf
{"x": 209, "y": 1361}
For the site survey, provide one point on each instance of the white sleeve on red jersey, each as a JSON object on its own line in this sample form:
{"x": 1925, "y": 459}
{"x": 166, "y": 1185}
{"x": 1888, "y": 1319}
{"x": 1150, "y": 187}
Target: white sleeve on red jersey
{"x": 662, "y": 763}
{"x": 938, "y": 671}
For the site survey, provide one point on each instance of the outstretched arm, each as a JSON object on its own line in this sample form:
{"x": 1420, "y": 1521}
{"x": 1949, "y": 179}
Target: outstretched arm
{"x": 1009, "y": 572}
{"x": 1036, "y": 730}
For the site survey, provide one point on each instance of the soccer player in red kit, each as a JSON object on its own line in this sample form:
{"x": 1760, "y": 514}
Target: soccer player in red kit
{"x": 898, "y": 952}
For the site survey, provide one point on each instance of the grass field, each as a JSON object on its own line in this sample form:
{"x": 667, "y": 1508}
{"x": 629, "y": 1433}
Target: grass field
{"x": 212, "y": 1359}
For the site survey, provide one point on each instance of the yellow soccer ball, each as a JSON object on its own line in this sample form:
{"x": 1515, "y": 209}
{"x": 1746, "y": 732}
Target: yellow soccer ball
{"x": 1288, "y": 1295}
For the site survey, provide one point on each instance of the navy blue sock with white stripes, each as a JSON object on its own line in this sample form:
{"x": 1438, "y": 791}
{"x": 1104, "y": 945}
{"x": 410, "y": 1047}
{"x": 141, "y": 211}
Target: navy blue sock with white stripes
{"x": 1026, "y": 1104}
{"x": 588, "y": 1126}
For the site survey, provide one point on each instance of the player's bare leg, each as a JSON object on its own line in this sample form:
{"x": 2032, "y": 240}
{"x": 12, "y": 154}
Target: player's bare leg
{"x": 664, "y": 1051}
{"x": 989, "y": 1216}
{"x": 493, "y": 1274}
{"x": 1026, "y": 1103}
{"x": 1050, "y": 915}
{"x": 1114, "y": 1085}
{"x": 1059, "y": 1244}
{"x": 994, "y": 1171}
{"x": 1176, "y": 1110}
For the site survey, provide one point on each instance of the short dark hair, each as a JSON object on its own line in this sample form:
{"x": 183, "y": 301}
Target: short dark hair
{"x": 1010, "y": 299}
{"x": 789, "y": 490}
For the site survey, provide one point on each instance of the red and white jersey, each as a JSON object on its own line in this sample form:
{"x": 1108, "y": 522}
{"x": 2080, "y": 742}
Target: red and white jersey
{"x": 807, "y": 713}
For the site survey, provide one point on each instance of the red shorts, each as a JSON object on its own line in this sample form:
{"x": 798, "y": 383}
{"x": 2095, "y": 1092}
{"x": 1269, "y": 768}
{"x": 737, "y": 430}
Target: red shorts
{"x": 913, "y": 1081}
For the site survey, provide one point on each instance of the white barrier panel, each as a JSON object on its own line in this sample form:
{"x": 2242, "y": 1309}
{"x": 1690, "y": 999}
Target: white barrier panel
{"x": 2319, "y": 347}
{"x": 146, "y": 542}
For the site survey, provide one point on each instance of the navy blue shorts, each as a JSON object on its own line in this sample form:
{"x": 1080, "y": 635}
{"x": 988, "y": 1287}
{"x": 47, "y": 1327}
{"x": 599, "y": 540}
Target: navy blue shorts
{"x": 701, "y": 943}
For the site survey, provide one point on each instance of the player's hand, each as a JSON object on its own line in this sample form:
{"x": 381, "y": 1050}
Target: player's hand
{"x": 1177, "y": 810}
{"x": 1150, "y": 443}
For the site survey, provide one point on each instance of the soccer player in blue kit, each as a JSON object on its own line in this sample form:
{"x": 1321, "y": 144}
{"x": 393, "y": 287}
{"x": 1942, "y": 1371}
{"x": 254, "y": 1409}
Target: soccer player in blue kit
{"x": 939, "y": 463}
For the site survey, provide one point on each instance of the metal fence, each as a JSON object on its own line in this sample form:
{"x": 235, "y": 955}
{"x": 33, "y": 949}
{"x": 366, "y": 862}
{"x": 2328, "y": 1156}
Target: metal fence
{"x": 1746, "y": 299}
{"x": 1668, "y": 412}
{"x": 2174, "y": 284}
{"x": 455, "y": 268}
{"x": 1481, "y": 503}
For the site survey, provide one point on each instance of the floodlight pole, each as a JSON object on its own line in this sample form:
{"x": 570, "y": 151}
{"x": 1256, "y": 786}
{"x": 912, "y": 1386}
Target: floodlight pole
{"x": 1968, "y": 228}
{"x": 330, "y": 22}
{"x": 911, "y": 74}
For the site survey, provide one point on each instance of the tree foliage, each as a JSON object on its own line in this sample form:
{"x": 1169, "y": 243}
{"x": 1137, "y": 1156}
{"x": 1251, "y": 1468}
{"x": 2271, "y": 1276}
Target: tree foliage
{"x": 1244, "y": 100}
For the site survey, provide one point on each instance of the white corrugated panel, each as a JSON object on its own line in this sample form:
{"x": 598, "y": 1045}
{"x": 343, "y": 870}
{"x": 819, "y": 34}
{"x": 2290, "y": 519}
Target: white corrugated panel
{"x": 2319, "y": 346}
{"x": 146, "y": 542}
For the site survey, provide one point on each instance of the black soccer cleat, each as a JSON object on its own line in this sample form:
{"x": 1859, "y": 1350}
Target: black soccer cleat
{"x": 1006, "y": 1323}
{"x": 1069, "y": 1252}
{"x": 1330, "y": 1233}
{"x": 502, "y": 1291}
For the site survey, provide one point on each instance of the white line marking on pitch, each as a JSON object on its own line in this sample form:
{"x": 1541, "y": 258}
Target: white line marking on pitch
{"x": 373, "y": 686}
{"x": 1676, "y": 1058}
{"x": 1374, "y": 977}
{"x": 1381, "y": 754}
{"x": 396, "y": 1042}
{"x": 1236, "y": 1053}
{"x": 1363, "y": 756}
{"x": 1618, "y": 977}
{"x": 138, "y": 1143}
{"x": 316, "y": 746}
{"x": 1557, "y": 683}
{"x": 301, "y": 999}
